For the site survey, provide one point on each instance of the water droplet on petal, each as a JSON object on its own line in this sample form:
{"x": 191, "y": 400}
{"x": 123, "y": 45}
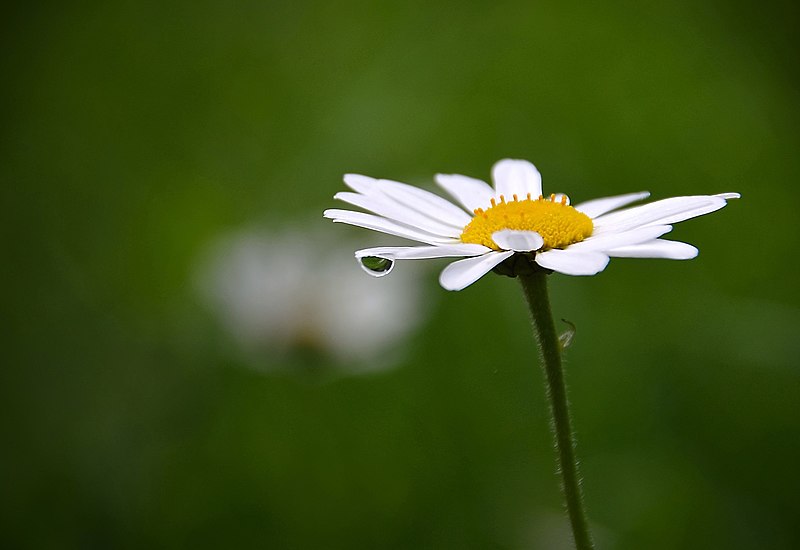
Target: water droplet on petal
{"x": 376, "y": 266}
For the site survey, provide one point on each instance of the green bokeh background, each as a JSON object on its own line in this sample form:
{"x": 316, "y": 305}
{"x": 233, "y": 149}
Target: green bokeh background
{"x": 133, "y": 134}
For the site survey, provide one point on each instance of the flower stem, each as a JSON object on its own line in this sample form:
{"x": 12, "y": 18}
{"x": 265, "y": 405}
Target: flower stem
{"x": 535, "y": 287}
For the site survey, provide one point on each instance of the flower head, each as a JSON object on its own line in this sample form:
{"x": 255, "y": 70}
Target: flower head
{"x": 513, "y": 219}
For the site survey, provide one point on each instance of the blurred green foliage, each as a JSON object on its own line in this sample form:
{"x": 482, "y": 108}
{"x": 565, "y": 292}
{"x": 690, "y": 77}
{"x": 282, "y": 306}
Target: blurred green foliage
{"x": 133, "y": 133}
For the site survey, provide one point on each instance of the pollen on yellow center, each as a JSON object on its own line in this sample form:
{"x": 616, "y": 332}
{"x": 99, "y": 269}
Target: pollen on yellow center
{"x": 559, "y": 224}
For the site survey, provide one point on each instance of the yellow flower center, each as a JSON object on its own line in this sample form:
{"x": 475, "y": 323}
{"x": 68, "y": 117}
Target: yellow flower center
{"x": 559, "y": 224}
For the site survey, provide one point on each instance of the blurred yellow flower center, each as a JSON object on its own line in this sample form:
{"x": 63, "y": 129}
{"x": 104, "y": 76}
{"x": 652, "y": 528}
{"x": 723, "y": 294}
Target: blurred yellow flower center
{"x": 559, "y": 224}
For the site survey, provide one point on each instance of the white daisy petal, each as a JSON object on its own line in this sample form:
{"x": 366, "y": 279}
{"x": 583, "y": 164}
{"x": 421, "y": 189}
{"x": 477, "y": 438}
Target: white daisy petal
{"x": 659, "y": 248}
{"x": 470, "y": 192}
{"x": 598, "y": 207}
{"x": 377, "y": 223}
{"x": 379, "y": 261}
{"x": 614, "y": 240}
{"x": 412, "y": 197}
{"x": 359, "y": 183}
{"x": 572, "y": 263}
{"x": 423, "y": 252}
{"x": 516, "y": 177}
{"x": 518, "y": 241}
{"x": 666, "y": 211}
{"x": 459, "y": 275}
{"x": 398, "y": 212}
{"x": 728, "y": 196}
{"x": 426, "y": 202}
{"x": 558, "y": 197}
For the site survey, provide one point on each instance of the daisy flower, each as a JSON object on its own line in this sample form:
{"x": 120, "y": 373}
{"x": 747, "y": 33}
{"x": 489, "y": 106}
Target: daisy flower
{"x": 513, "y": 218}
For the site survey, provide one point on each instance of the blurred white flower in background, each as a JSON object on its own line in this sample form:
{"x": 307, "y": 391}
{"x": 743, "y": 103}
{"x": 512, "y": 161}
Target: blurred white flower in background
{"x": 297, "y": 290}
